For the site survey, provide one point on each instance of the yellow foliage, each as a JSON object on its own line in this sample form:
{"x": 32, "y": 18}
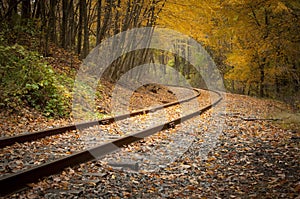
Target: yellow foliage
{"x": 259, "y": 38}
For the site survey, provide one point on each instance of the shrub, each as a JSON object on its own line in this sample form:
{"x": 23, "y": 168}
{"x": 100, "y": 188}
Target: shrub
{"x": 26, "y": 79}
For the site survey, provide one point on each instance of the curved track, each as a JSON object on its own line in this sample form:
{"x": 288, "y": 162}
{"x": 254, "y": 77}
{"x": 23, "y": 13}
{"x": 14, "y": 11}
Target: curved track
{"x": 17, "y": 181}
{"x": 5, "y": 141}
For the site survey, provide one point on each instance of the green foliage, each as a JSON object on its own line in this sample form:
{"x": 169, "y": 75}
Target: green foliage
{"x": 26, "y": 26}
{"x": 25, "y": 79}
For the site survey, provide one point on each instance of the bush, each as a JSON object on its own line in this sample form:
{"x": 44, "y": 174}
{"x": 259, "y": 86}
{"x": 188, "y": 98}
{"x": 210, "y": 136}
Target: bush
{"x": 26, "y": 80}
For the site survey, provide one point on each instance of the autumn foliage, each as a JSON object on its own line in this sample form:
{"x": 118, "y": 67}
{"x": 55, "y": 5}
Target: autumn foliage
{"x": 255, "y": 43}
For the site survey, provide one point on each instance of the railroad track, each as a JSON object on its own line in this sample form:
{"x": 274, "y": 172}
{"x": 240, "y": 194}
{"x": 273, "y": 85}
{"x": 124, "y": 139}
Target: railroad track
{"x": 71, "y": 141}
{"x": 19, "y": 180}
{"x": 54, "y": 131}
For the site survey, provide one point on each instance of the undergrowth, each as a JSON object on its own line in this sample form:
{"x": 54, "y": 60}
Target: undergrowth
{"x": 25, "y": 79}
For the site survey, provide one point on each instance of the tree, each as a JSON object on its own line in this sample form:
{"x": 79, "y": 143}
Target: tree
{"x": 85, "y": 29}
{"x": 99, "y": 12}
{"x": 52, "y": 21}
{"x": 26, "y": 9}
{"x": 64, "y": 24}
{"x": 79, "y": 25}
{"x": 255, "y": 43}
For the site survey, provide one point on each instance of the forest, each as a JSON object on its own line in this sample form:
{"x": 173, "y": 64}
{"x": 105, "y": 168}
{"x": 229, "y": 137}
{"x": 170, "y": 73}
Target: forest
{"x": 254, "y": 43}
{"x": 150, "y": 99}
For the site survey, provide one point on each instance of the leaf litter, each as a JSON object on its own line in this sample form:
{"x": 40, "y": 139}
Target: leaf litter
{"x": 251, "y": 159}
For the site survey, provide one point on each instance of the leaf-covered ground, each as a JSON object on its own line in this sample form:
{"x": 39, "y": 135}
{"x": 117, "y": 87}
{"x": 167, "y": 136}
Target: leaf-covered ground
{"x": 28, "y": 119}
{"x": 251, "y": 159}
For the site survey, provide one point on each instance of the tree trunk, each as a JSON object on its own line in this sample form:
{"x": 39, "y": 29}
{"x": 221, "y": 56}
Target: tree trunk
{"x": 117, "y": 28}
{"x": 64, "y": 24}
{"x": 44, "y": 37}
{"x": 79, "y": 35}
{"x": 99, "y": 9}
{"x": 262, "y": 79}
{"x": 36, "y": 10}
{"x": 296, "y": 80}
{"x": 85, "y": 30}
{"x": 26, "y": 9}
{"x": 52, "y": 21}
{"x": 107, "y": 16}
{"x": 71, "y": 31}
{"x": 1, "y": 10}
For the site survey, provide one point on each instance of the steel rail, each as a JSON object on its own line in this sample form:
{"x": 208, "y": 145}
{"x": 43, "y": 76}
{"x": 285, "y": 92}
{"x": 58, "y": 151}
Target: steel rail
{"x": 6, "y": 141}
{"x": 18, "y": 181}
